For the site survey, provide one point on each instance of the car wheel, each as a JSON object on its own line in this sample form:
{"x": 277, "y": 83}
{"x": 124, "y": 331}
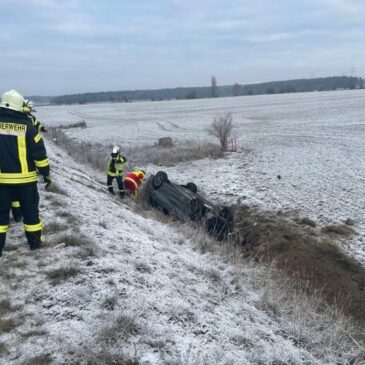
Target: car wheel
{"x": 159, "y": 179}
{"x": 192, "y": 187}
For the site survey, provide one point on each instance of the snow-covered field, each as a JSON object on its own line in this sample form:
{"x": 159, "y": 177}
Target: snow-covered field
{"x": 314, "y": 141}
{"x": 138, "y": 291}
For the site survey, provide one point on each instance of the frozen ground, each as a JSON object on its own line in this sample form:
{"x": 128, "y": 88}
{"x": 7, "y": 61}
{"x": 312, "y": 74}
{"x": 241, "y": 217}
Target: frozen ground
{"x": 68, "y": 302}
{"x": 314, "y": 141}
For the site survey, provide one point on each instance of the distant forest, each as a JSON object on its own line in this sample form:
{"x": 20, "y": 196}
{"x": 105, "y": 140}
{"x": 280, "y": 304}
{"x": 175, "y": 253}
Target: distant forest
{"x": 273, "y": 87}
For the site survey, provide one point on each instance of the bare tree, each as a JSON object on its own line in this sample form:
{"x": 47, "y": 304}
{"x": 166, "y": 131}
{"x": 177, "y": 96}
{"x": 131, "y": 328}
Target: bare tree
{"x": 221, "y": 128}
{"x": 214, "y": 87}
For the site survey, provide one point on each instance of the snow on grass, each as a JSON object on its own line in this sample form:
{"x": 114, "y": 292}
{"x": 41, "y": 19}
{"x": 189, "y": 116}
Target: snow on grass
{"x": 314, "y": 141}
{"x": 111, "y": 286}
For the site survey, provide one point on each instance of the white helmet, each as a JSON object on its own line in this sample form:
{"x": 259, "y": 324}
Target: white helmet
{"x": 116, "y": 149}
{"x": 28, "y": 106}
{"x": 12, "y": 100}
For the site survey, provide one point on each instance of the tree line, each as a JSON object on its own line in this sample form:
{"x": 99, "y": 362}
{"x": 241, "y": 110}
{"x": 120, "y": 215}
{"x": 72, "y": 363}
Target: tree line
{"x": 273, "y": 87}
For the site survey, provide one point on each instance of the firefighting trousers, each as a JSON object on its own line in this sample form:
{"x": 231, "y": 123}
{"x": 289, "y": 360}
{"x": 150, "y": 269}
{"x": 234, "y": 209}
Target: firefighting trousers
{"x": 16, "y": 210}
{"x": 109, "y": 184}
{"x": 28, "y": 198}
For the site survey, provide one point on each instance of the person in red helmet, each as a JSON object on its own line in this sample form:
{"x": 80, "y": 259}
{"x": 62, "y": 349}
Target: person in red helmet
{"x": 133, "y": 180}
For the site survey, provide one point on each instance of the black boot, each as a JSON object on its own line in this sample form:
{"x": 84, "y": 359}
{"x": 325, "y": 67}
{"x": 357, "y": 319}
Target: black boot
{"x": 34, "y": 239}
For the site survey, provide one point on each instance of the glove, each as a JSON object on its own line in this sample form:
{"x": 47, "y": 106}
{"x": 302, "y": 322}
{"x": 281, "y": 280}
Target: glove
{"x": 43, "y": 129}
{"x": 47, "y": 180}
{"x": 124, "y": 158}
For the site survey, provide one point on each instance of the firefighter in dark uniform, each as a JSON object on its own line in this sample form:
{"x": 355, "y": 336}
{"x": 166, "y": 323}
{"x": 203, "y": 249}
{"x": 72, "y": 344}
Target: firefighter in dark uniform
{"x": 22, "y": 157}
{"x": 16, "y": 211}
{"x": 28, "y": 108}
{"x": 115, "y": 169}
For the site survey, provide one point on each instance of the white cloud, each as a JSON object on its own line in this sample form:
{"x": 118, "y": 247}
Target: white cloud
{"x": 350, "y": 9}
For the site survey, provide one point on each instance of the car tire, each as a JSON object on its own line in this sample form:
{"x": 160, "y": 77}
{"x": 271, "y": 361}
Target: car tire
{"x": 159, "y": 179}
{"x": 192, "y": 187}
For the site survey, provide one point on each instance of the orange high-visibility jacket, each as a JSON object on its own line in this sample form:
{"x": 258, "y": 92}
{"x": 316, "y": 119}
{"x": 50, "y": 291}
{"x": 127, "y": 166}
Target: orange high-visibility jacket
{"x": 133, "y": 180}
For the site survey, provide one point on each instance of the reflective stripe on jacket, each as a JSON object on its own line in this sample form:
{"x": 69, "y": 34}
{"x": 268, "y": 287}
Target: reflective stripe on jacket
{"x": 115, "y": 166}
{"x": 35, "y": 122}
{"x": 22, "y": 151}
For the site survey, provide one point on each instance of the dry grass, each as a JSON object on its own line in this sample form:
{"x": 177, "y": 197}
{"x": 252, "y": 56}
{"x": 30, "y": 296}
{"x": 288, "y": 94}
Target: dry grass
{"x": 8, "y": 325}
{"x": 110, "y": 303}
{"x": 308, "y": 321}
{"x": 96, "y": 155}
{"x": 44, "y": 359}
{"x": 63, "y": 273}
{"x": 5, "y": 307}
{"x": 143, "y": 267}
{"x": 34, "y": 333}
{"x": 85, "y": 247}
{"x": 350, "y": 222}
{"x": 118, "y": 327}
{"x": 306, "y": 221}
{"x": 73, "y": 240}
{"x": 3, "y": 349}
{"x": 181, "y": 152}
{"x": 305, "y": 254}
{"x": 340, "y": 229}
{"x": 55, "y": 202}
{"x": 321, "y": 318}
{"x": 54, "y": 227}
{"x": 108, "y": 356}
{"x": 108, "y": 346}
{"x": 56, "y": 189}
{"x": 87, "y": 252}
{"x": 81, "y": 124}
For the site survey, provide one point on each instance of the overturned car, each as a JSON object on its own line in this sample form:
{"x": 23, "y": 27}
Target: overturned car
{"x": 184, "y": 203}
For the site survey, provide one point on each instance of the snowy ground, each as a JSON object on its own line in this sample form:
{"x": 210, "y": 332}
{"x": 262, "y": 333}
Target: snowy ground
{"x": 137, "y": 288}
{"x": 314, "y": 141}
{"x": 177, "y": 305}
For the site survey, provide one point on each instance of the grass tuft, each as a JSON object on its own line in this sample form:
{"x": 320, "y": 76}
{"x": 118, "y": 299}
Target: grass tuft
{"x": 34, "y": 333}
{"x": 110, "y": 303}
{"x": 3, "y": 349}
{"x": 120, "y": 327}
{"x": 81, "y": 124}
{"x": 73, "y": 240}
{"x": 5, "y": 307}
{"x": 8, "y": 325}
{"x": 54, "y": 227}
{"x": 56, "y": 189}
{"x": 57, "y": 276}
{"x": 44, "y": 359}
{"x": 340, "y": 229}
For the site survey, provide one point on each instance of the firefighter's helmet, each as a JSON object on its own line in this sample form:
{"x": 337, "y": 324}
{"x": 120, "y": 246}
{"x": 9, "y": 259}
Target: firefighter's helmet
{"x": 116, "y": 149}
{"x": 28, "y": 104}
{"x": 12, "y": 100}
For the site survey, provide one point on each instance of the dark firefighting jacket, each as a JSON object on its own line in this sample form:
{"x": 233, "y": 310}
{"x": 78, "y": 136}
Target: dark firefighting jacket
{"x": 36, "y": 123}
{"x": 22, "y": 151}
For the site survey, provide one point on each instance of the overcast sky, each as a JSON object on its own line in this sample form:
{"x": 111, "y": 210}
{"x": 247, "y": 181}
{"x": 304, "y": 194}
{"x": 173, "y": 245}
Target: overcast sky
{"x": 52, "y": 47}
